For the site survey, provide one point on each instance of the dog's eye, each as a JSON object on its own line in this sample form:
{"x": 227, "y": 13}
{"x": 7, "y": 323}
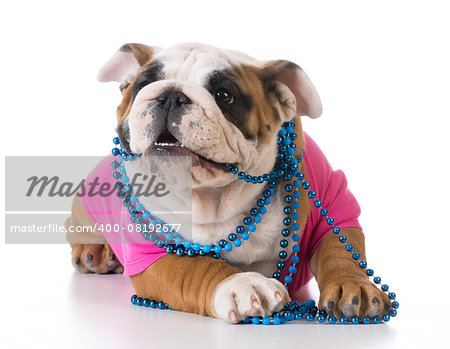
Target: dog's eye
{"x": 225, "y": 96}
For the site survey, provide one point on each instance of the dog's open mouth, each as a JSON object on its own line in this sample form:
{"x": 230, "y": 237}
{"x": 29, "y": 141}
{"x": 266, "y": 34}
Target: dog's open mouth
{"x": 166, "y": 139}
{"x": 168, "y": 144}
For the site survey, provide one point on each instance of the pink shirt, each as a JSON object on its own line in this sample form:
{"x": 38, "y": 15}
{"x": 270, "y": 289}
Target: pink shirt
{"x": 136, "y": 254}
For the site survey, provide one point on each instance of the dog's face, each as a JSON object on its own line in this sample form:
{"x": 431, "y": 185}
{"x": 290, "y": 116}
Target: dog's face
{"x": 214, "y": 105}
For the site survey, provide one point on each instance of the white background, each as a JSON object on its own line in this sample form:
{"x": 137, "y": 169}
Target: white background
{"x": 382, "y": 70}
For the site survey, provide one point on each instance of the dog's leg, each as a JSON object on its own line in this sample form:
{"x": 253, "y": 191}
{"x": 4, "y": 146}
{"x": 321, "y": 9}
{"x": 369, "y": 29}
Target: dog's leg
{"x": 208, "y": 286}
{"x": 345, "y": 289}
{"x": 90, "y": 252}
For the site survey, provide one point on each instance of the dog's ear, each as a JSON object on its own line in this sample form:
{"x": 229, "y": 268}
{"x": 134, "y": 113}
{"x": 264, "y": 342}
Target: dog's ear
{"x": 295, "y": 91}
{"x": 124, "y": 65}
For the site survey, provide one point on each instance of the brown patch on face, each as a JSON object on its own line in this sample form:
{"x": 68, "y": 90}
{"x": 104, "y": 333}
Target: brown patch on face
{"x": 265, "y": 116}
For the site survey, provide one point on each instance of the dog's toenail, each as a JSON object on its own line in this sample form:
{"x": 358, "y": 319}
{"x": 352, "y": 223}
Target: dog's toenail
{"x": 89, "y": 257}
{"x": 376, "y": 302}
{"x": 387, "y": 307}
{"x": 77, "y": 261}
{"x": 355, "y": 301}
{"x": 330, "y": 305}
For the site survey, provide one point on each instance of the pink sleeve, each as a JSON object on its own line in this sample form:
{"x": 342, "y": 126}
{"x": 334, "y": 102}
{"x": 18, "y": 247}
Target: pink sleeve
{"x": 113, "y": 220}
{"x": 331, "y": 188}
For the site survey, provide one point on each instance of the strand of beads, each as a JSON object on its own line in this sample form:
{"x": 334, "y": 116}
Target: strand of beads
{"x": 286, "y": 168}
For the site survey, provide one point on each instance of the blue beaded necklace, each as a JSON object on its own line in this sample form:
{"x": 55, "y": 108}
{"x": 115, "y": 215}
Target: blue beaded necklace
{"x": 286, "y": 168}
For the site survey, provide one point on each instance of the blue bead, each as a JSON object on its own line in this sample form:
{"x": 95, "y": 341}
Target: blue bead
{"x": 153, "y": 304}
{"x": 330, "y": 221}
{"x": 312, "y": 194}
{"x": 377, "y": 319}
{"x": 296, "y": 248}
{"x": 284, "y": 243}
{"x": 255, "y": 320}
{"x": 116, "y": 175}
{"x": 294, "y": 216}
{"x": 133, "y": 198}
{"x": 257, "y": 219}
{"x": 295, "y": 259}
{"x": 139, "y": 207}
{"x": 309, "y": 317}
{"x": 217, "y": 249}
{"x": 377, "y": 279}
{"x": 332, "y": 320}
{"x": 222, "y": 243}
{"x": 251, "y": 227}
{"x": 146, "y": 302}
{"x": 207, "y": 248}
{"x": 161, "y": 305}
{"x": 241, "y": 175}
{"x": 363, "y": 264}
{"x": 190, "y": 252}
{"x": 321, "y": 319}
{"x": 292, "y": 269}
{"x": 295, "y": 227}
{"x": 295, "y": 205}
{"x": 254, "y": 211}
{"x": 276, "y": 321}
{"x": 288, "y": 198}
{"x": 115, "y": 151}
{"x": 146, "y": 215}
{"x": 247, "y": 220}
{"x": 355, "y": 320}
{"x": 263, "y": 210}
{"x": 393, "y": 313}
{"x": 234, "y": 170}
{"x": 336, "y": 230}
{"x": 276, "y": 275}
{"x": 248, "y": 178}
{"x": 114, "y": 164}
{"x": 246, "y": 320}
{"x": 285, "y": 232}
{"x": 282, "y": 254}
{"x": 318, "y": 203}
{"x": 342, "y": 238}
{"x": 395, "y": 305}
{"x": 133, "y": 299}
{"x": 195, "y": 247}
{"x": 169, "y": 248}
{"x": 125, "y": 179}
{"x": 385, "y": 287}
{"x": 296, "y": 194}
{"x": 266, "y": 321}
{"x": 288, "y": 279}
{"x": 386, "y": 318}
{"x": 228, "y": 247}
{"x": 180, "y": 251}
{"x": 366, "y": 320}
{"x": 139, "y": 301}
{"x": 369, "y": 272}
{"x": 116, "y": 140}
{"x": 391, "y": 295}
{"x": 245, "y": 236}
{"x": 280, "y": 265}
{"x": 232, "y": 237}
{"x": 237, "y": 242}
{"x": 323, "y": 211}
{"x": 343, "y": 320}
{"x": 356, "y": 256}
{"x": 240, "y": 229}
{"x": 296, "y": 237}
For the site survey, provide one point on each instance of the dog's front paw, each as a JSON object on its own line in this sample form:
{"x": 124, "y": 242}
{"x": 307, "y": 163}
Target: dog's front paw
{"x": 248, "y": 294}
{"x": 95, "y": 258}
{"x": 353, "y": 296}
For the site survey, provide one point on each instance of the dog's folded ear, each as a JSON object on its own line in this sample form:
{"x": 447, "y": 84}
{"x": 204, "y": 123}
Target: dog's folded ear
{"x": 124, "y": 65}
{"x": 295, "y": 91}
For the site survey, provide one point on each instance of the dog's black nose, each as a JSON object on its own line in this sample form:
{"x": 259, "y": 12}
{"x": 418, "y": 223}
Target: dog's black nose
{"x": 173, "y": 99}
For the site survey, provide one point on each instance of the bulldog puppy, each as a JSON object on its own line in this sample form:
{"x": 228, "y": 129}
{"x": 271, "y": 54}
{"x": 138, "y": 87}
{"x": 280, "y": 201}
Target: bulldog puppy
{"x": 218, "y": 106}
